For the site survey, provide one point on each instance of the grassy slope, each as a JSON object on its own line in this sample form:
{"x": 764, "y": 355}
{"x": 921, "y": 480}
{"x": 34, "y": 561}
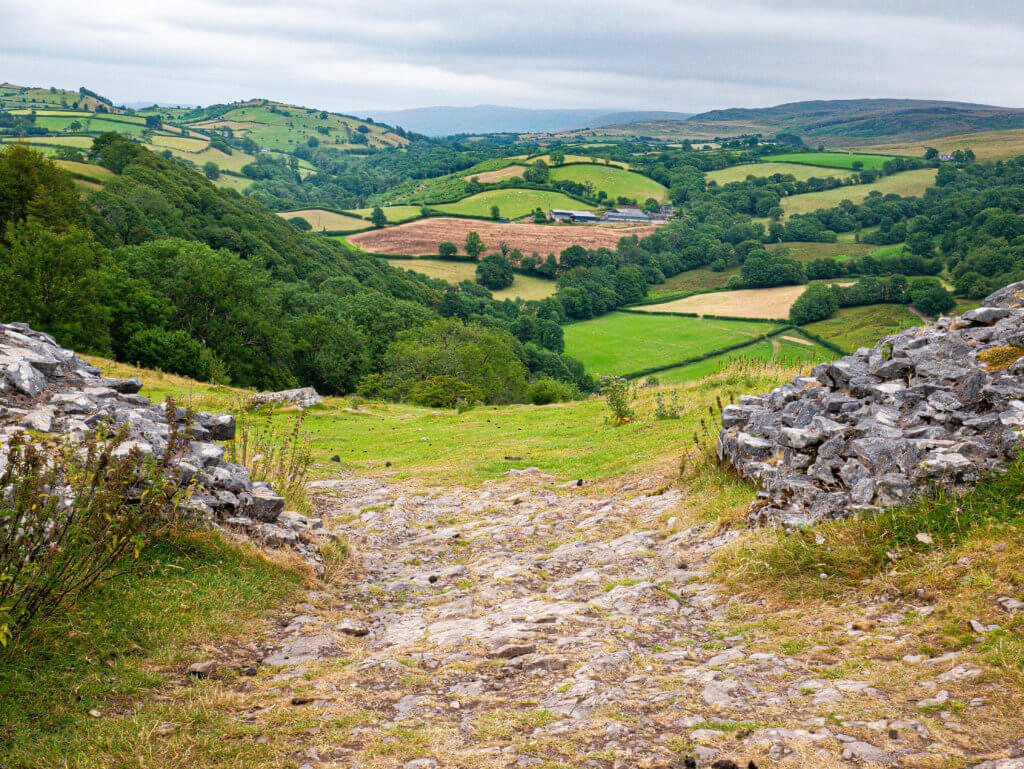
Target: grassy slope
{"x": 615, "y": 181}
{"x": 326, "y": 220}
{"x": 523, "y": 286}
{"x": 513, "y": 203}
{"x": 776, "y": 350}
{"x": 854, "y": 327}
{"x": 987, "y": 145}
{"x": 905, "y": 184}
{"x": 392, "y": 213}
{"x": 620, "y": 343}
{"x": 833, "y": 159}
{"x": 801, "y": 172}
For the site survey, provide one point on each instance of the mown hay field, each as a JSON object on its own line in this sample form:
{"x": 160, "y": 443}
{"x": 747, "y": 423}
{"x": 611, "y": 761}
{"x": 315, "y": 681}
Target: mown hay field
{"x": 420, "y": 238}
{"x": 624, "y": 342}
{"x": 744, "y": 303}
{"x": 523, "y": 286}
{"x": 801, "y": 172}
{"x": 486, "y": 177}
{"x": 87, "y": 170}
{"x": 613, "y": 180}
{"x": 572, "y": 159}
{"x": 905, "y": 184}
{"x": 512, "y": 203}
{"x": 833, "y": 159}
{"x": 326, "y": 220}
{"x": 987, "y": 145}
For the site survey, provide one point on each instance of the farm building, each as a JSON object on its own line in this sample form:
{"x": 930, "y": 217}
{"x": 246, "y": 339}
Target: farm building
{"x": 626, "y": 215}
{"x": 565, "y": 215}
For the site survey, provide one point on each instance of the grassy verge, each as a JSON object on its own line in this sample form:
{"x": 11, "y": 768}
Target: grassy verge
{"x": 114, "y": 652}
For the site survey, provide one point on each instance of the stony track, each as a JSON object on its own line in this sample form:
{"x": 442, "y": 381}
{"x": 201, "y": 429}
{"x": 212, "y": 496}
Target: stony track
{"x": 526, "y": 624}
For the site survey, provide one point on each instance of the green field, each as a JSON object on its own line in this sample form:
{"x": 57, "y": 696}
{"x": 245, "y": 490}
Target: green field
{"x": 392, "y": 213}
{"x": 801, "y": 172}
{"x": 523, "y": 286}
{"x": 854, "y": 327}
{"x": 512, "y": 203}
{"x": 615, "y": 181}
{"x": 775, "y": 350}
{"x": 834, "y": 159}
{"x": 620, "y": 343}
{"x": 905, "y": 184}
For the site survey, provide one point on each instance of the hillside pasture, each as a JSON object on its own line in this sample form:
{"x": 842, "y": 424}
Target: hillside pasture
{"x": 487, "y": 177}
{"x": 183, "y": 143}
{"x": 987, "y": 145}
{"x": 621, "y": 342}
{"x": 320, "y": 219}
{"x": 905, "y": 184}
{"x": 572, "y": 159}
{"x": 782, "y": 349}
{"x": 834, "y": 159}
{"x": 86, "y": 171}
{"x": 743, "y": 303}
{"x": 420, "y": 238}
{"x": 78, "y": 142}
{"x": 525, "y": 287}
{"x": 801, "y": 172}
{"x": 391, "y": 213}
{"x": 613, "y": 180}
{"x": 512, "y": 203}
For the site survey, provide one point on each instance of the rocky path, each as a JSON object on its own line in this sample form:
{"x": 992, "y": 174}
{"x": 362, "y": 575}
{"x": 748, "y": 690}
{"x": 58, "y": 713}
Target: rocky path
{"x": 526, "y": 624}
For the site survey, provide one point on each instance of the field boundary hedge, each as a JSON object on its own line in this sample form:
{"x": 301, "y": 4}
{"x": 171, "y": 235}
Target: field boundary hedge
{"x": 699, "y": 315}
{"x": 696, "y": 358}
{"x": 817, "y": 338}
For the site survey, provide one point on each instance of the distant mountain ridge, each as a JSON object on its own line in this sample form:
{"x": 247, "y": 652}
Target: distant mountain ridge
{"x": 849, "y": 119}
{"x": 490, "y": 118}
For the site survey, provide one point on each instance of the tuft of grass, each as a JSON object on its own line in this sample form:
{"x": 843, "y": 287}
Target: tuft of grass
{"x": 838, "y": 555}
{"x": 113, "y": 651}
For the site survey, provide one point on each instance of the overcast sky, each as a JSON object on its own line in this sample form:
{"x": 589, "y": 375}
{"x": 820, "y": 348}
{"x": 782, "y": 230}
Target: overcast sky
{"x": 643, "y": 54}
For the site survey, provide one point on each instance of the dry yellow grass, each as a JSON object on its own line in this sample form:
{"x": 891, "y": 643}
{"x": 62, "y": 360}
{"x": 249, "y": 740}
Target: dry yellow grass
{"x": 486, "y": 177}
{"x": 183, "y": 143}
{"x": 326, "y": 220}
{"x": 743, "y": 303}
{"x": 987, "y": 145}
{"x": 523, "y": 286}
{"x": 420, "y": 238}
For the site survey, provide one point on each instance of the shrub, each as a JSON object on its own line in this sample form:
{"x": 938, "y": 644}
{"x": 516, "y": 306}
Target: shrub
{"x": 619, "y": 394}
{"x": 443, "y": 392}
{"x": 934, "y": 301}
{"x": 545, "y": 391}
{"x": 69, "y": 513}
{"x": 818, "y": 302}
{"x": 172, "y": 351}
{"x": 652, "y": 381}
{"x": 667, "y": 407}
{"x": 300, "y": 223}
{"x": 494, "y": 272}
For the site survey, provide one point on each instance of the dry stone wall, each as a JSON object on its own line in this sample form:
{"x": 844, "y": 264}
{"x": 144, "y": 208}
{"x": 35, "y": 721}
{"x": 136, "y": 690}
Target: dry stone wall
{"x": 941, "y": 404}
{"x": 48, "y": 389}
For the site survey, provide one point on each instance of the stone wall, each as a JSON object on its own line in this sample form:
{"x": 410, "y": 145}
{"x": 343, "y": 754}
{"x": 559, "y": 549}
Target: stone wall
{"x": 941, "y": 405}
{"x": 48, "y": 389}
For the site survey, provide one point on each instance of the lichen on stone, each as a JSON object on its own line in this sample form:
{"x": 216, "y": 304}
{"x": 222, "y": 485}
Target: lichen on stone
{"x": 996, "y": 358}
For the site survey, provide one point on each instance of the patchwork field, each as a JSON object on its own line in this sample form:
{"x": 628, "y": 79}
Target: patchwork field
{"x": 512, "y": 203}
{"x": 613, "y": 180}
{"x": 420, "y": 238}
{"x": 905, "y": 184}
{"x": 854, "y": 327}
{"x": 620, "y": 342}
{"x": 326, "y": 220}
{"x": 779, "y": 349}
{"x": 801, "y": 172}
{"x": 391, "y": 213}
{"x": 523, "y": 286}
{"x": 486, "y": 177}
{"x": 833, "y": 159}
{"x": 744, "y": 303}
{"x": 573, "y": 159}
{"x": 86, "y": 171}
{"x": 987, "y": 145}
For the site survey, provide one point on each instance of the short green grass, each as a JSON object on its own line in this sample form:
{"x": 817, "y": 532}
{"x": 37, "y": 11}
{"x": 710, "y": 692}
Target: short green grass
{"x": 620, "y": 343}
{"x": 781, "y": 351}
{"x": 526, "y": 287}
{"x": 905, "y": 184}
{"x": 114, "y": 650}
{"x": 854, "y": 327}
{"x": 613, "y": 180}
{"x": 801, "y": 172}
{"x": 833, "y": 159}
{"x": 511, "y": 203}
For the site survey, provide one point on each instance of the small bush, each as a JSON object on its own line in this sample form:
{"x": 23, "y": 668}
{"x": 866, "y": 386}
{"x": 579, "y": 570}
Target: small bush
{"x": 68, "y": 513}
{"x": 619, "y": 394}
{"x": 652, "y": 381}
{"x": 545, "y": 391}
{"x": 442, "y": 392}
{"x": 667, "y": 407}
